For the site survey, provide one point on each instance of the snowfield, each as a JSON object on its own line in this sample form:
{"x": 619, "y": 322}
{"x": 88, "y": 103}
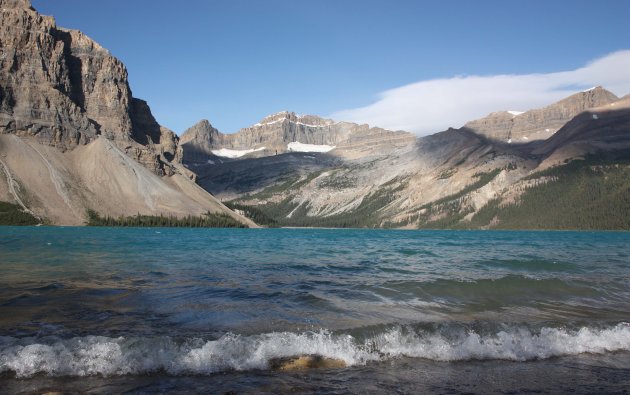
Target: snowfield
{"x": 301, "y": 147}
{"x": 234, "y": 153}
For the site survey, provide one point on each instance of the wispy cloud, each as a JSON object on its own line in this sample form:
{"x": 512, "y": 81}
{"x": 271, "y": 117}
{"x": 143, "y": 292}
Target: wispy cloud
{"x": 431, "y": 106}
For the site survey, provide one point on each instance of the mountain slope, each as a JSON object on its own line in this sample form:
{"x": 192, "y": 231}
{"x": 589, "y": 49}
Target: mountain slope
{"x": 72, "y": 136}
{"x": 579, "y": 181}
{"x": 539, "y": 124}
{"x": 446, "y": 180}
{"x": 589, "y": 193}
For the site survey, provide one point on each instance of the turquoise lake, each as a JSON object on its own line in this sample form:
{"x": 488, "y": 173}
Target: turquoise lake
{"x": 144, "y": 310}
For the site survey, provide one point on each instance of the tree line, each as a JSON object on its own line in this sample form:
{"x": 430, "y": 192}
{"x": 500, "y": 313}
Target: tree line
{"x": 208, "y": 220}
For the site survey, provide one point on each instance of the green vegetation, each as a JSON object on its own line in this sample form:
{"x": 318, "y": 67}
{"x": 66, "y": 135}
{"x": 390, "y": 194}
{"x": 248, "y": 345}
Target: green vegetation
{"x": 449, "y": 210}
{"x": 253, "y": 213}
{"x": 447, "y": 174}
{"x": 482, "y": 179}
{"x": 366, "y": 214}
{"x": 286, "y": 184}
{"x": 208, "y": 220}
{"x": 12, "y": 214}
{"x": 593, "y": 193}
{"x": 337, "y": 180}
{"x": 279, "y": 187}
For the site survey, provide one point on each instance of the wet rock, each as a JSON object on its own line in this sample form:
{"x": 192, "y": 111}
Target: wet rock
{"x": 304, "y": 362}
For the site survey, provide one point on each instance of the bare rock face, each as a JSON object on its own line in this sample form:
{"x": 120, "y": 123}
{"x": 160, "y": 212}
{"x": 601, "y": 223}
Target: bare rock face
{"x": 100, "y": 85}
{"x": 601, "y": 129}
{"x": 199, "y": 140}
{"x": 73, "y": 138}
{"x": 159, "y": 146}
{"x": 284, "y": 127}
{"x": 35, "y": 80}
{"x": 274, "y": 133}
{"x": 65, "y": 89}
{"x": 539, "y": 124}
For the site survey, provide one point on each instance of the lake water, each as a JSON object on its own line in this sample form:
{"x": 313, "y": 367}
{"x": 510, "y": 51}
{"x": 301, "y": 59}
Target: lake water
{"x": 110, "y": 310}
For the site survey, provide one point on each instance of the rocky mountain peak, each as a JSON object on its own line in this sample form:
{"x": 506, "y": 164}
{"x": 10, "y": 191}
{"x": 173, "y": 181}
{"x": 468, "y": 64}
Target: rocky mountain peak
{"x": 83, "y": 44}
{"x": 201, "y": 131}
{"x": 64, "y": 89}
{"x": 282, "y": 116}
{"x": 539, "y": 124}
{"x": 279, "y": 116}
{"x": 589, "y": 98}
{"x": 16, "y": 4}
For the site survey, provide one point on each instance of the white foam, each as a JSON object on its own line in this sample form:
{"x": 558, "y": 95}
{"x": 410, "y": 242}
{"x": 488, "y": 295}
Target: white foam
{"x": 232, "y": 153}
{"x": 517, "y": 344}
{"x": 301, "y": 147}
{"x": 94, "y": 355}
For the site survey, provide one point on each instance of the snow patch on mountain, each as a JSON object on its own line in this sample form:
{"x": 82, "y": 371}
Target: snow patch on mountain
{"x": 301, "y": 147}
{"x": 233, "y": 153}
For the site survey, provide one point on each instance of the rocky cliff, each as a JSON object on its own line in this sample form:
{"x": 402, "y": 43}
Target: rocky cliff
{"x": 64, "y": 89}
{"x": 72, "y": 136}
{"x": 539, "y": 124}
{"x": 274, "y": 134}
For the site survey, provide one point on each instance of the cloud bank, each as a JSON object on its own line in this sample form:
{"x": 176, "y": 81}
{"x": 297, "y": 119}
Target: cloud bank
{"x": 431, "y": 106}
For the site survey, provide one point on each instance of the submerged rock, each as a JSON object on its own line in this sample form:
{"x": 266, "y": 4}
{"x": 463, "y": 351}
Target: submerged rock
{"x": 303, "y": 362}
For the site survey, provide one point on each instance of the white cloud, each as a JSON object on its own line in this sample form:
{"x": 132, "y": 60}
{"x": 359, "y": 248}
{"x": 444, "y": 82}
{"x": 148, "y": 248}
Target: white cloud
{"x": 431, "y": 106}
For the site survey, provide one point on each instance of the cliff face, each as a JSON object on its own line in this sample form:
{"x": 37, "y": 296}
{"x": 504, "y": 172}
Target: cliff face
{"x": 72, "y": 136}
{"x": 275, "y": 132}
{"x": 64, "y": 89}
{"x": 36, "y": 84}
{"x": 539, "y": 124}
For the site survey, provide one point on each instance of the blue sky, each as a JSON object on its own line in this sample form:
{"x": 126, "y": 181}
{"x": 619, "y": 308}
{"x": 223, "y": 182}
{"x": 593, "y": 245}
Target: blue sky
{"x": 235, "y": 61}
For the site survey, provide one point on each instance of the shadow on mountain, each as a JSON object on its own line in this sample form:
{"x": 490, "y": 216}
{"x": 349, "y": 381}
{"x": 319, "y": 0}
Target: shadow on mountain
{"x": 453, "y": 148}
{"x": 224, "y": 177}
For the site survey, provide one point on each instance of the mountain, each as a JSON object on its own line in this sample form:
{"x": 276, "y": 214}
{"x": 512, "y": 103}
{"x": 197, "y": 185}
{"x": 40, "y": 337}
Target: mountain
{"x": 72, "y": 136}
{"x": 280, "y": 146}
{"x": 281, "y": 132}
{"x": 539, "y": 124}
{"x": 74, "y": 139}
{"x": 600, "y": 129}
{"x": 582, "y": 180}
{"x": 452, "y": 179}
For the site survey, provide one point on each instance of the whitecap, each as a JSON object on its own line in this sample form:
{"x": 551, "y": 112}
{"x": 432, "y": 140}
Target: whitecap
{"x": 106, "y": 356}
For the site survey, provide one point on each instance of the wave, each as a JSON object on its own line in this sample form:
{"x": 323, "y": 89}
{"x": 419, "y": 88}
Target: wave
{"x": 106, "y": 356}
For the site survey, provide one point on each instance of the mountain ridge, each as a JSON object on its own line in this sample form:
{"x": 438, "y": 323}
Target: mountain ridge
{"x": 441, "y": 180}
{"x": 273, "y": 134}
{"x": 539, "y": 123}
{"x": 74, "y": 139}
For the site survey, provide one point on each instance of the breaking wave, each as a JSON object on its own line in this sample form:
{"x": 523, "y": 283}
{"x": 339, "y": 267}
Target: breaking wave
{"x": 106, "y": 356}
